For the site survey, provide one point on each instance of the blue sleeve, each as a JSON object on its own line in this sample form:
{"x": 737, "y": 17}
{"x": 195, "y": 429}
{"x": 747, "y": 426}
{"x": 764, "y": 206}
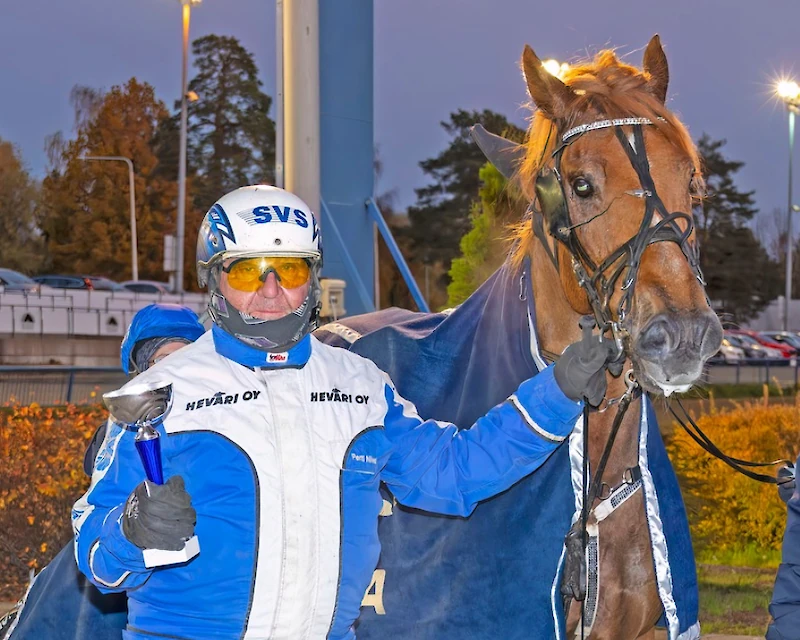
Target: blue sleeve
{"x": 437, "y": 467}
{"x": 102, "y": 552}
{"x": 785, "y": 605}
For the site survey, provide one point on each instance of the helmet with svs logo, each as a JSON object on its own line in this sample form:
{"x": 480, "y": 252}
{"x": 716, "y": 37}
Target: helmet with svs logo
{"x": 260, "y": 221}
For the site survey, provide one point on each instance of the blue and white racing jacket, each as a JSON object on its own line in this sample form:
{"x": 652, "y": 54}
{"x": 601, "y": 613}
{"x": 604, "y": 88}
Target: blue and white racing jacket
{"x": 283, "y": 455}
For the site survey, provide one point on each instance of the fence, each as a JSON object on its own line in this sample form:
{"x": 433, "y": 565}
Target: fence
{"x": 57, "y": 385}
{"x": 759, "y": 371}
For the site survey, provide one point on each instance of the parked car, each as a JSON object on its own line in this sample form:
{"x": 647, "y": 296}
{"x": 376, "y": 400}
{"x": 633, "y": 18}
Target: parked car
{"x": 16, "y": 281}
{"x": 64, "y": 282}
{"x": 784, "y": 337}
{"x": 104, "y": 284}
{"x": 752, "y": 347}
{"x": 146, "y": 286}
{"x": 728, "y": 352}
{"x": 80, "y": 282}
{"x": 787, "y": 350}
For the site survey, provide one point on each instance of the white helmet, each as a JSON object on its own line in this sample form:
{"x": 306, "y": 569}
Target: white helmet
{"x": 257, "y": 221}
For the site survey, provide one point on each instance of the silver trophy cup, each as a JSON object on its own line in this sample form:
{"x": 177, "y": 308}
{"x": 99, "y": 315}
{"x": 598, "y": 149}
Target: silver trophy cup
{"x": 142, "y": 407}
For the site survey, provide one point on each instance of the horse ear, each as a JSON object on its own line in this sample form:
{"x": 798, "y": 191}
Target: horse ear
{"x": 655, "y": 64}
{"x": 551, "y": 95}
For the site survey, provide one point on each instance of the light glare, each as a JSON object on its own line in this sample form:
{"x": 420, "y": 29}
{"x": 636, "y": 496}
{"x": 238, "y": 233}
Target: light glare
{"x": 788, "y": 90}
{"x": 555, "y": 68}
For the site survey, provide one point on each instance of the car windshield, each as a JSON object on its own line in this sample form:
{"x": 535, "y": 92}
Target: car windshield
{"x": 14, "y": 277}
{"x": 784, "y": 339}
{"x": 748, "y": 340}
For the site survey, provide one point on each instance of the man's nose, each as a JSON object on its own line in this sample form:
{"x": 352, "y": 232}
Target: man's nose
{"x": 271, "y": 287}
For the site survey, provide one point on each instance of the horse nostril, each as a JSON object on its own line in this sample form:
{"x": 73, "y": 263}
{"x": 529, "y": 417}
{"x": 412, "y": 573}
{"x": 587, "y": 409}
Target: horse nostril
{"x": 658, "y": 338}
{"x": 708, "y": 335}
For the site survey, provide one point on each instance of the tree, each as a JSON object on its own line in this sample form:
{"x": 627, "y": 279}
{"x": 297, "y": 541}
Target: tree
{"x": 231, "y": 136}
{"x": 21, "y": 244}
{"x": 730, "y": 253}
{"x": 86, "y": 220}
{"x": 485, "y": 246}
{"x": 441, "y": 216}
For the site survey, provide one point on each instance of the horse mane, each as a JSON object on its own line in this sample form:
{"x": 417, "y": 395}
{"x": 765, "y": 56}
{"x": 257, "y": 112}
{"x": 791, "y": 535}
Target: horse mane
{"x": 605, "y": 88}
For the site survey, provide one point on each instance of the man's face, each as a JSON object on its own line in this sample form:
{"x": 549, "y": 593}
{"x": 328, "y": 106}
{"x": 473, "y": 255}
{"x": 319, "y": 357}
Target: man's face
{"x": 270, "y": 301}
{"x": 164, "y": 350}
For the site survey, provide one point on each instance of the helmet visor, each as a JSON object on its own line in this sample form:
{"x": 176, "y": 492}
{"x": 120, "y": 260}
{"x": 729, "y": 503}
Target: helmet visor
{"x": 248, "y": 274}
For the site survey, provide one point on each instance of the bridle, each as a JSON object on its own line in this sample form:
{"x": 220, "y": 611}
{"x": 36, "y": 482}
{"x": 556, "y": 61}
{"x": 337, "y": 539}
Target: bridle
{"x": 599, "y": 281}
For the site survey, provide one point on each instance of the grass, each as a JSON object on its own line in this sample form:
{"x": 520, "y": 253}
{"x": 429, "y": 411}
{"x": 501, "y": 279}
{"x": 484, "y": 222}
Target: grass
{"x": 734, "y": 600}
{"x": 749, "y": 557}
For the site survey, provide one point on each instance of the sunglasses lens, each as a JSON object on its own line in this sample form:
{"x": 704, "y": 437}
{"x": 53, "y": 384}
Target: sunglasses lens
{"x": 292, "y": 272}
{"x": 249, "y": 274}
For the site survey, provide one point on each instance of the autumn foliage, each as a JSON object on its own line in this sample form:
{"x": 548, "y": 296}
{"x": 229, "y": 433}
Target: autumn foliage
{"x": 41, "y": 477}
{"x": 728, "y": 511}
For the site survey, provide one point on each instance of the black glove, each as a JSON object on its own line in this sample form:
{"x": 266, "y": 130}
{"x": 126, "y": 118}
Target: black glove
{"x": 159, "y": 516}
{"x": 581, "y": 370}
{"x": 786, "y": 489}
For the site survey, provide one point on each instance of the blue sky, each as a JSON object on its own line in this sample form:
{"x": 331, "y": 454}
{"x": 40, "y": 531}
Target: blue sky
{"x": 431, "y": 57}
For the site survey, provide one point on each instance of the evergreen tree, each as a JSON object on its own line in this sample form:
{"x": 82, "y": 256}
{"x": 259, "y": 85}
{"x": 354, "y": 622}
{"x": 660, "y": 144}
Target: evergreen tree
{"x": 231, "y": 136}
{"x": 730, "y": 253}
{"x": 442, "y": 214}
{"x": 485, "y": 246}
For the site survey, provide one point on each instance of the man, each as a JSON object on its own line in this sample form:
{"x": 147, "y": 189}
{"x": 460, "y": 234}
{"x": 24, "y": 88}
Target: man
{"x": 60, "y": 594}
{"x": 785, "y": 605}
{"x": 276, "y": 445}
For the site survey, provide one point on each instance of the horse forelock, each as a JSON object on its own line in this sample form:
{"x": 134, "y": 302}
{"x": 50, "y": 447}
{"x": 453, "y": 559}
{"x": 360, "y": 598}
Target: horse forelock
{"x": 605, "y": 88}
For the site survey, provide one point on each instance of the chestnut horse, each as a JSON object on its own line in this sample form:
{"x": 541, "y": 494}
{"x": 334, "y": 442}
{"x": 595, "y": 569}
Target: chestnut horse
{"x": 622, "y": 166}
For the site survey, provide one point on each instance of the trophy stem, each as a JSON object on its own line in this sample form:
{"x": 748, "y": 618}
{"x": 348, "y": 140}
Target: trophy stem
{"x": 148, "y": 444}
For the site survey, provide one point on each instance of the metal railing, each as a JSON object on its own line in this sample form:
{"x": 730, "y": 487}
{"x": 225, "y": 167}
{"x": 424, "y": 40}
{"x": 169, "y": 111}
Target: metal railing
{"x": 57, "y": 385}
{"x": 753, "y": 371}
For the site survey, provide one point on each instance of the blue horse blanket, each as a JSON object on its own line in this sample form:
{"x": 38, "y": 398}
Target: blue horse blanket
{"x": 496, "y": 573}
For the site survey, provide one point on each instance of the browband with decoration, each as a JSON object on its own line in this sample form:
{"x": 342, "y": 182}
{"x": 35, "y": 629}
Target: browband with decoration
{"x": 603, "y": 124}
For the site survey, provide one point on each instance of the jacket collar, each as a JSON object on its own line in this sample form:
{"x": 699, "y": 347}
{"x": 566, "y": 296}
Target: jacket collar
{"x": 229, "y": 347}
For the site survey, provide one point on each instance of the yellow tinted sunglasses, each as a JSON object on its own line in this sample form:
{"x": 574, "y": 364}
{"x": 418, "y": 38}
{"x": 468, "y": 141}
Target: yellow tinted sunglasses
{"x": 248, "y": 274}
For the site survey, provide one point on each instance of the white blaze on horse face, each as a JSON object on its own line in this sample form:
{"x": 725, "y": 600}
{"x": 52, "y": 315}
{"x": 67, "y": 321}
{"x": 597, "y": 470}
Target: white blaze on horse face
{"x": 632, "y": 141}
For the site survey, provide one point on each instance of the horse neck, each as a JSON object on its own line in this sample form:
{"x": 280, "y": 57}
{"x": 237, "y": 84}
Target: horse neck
{"x": 557, "y": 328}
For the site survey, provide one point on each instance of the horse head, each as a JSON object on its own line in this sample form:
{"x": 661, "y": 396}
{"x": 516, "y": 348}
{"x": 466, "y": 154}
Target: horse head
{"x": 611, "y": 175}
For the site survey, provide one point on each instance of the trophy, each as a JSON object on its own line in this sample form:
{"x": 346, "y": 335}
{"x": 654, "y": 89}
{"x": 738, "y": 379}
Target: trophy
{"x": 142, "y": 407}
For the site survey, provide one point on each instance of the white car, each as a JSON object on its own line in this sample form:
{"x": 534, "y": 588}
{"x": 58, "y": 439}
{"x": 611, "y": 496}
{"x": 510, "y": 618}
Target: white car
{"x": 730, "y": 352}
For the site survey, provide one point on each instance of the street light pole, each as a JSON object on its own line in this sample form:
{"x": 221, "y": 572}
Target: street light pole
{"x": 181, "y": 222}
{"x": 789, "y": 92}
{"x": 132, "y": 196}
{"x": 789, "y": 244}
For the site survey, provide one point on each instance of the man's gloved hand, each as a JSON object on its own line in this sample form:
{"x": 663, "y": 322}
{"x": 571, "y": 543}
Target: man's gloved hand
{"x": 159, "y": 516}
{"x": 581, "y": 370}
{"x": 786, "y": 489}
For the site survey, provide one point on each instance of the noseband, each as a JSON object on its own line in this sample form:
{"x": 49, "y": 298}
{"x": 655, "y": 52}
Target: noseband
{"x": 658, "y": 225}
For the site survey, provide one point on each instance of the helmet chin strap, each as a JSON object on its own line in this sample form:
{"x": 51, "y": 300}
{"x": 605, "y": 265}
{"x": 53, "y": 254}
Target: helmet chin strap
{"x": 267, "y": 335}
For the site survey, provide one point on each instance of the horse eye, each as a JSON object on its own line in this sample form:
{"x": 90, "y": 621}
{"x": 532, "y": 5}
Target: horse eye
{"x": 582, "y": 188}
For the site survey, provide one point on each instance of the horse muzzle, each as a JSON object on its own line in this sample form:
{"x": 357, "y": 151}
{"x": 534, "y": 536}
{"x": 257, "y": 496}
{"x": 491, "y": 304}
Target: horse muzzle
{"x": 671, "y": 349}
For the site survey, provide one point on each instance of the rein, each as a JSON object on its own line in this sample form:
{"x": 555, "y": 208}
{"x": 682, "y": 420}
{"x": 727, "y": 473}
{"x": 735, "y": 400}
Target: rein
{"x": 737, "y": 464}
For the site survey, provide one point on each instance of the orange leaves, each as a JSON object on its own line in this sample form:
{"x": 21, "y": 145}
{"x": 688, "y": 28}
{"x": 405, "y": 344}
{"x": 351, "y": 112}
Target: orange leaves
{"x": 42, "y": 476}
{"x": 727, "y": 510}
